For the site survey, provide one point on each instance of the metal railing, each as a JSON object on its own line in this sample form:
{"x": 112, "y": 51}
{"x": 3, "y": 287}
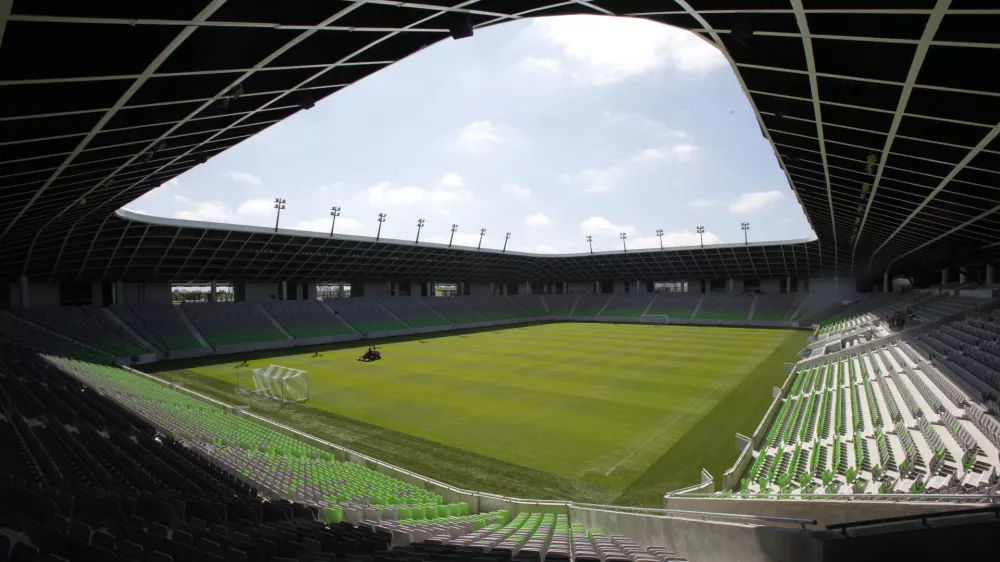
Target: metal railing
{"x": 925, "y": 498}
{"x": 922, "y": 518}
{"x": 700, "y": 514}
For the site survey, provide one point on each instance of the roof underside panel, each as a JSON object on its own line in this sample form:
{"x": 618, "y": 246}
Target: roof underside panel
{"x": 884, "y": 116}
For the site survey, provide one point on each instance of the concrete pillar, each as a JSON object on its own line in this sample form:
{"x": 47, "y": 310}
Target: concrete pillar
{"x": 637, "y": 289}
{"x": 430, "y": 288}
{"x": 962, "y": 277}
{"x": 527, "y": 287}
{"x": 119, "y": 292}
{"x": 340, "y": 293}
{"x": 991, "y": 274}
{"x": 886, "y": 283}
{"x": 284, "y": 290}
{"x": 213, "y": 292}
{"x": 729, "y": 285}
{"x": 788, "y": 284}
{"x": 944, "y": 277}
{"x": 25, "y": 297}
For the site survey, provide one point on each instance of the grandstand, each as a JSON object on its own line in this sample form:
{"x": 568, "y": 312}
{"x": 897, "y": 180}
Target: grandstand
{"x": 881, "y": 118}
{"x": 307, "y": 319}
{"x": 231, "y": 324}
{"x": 161, "y": 326}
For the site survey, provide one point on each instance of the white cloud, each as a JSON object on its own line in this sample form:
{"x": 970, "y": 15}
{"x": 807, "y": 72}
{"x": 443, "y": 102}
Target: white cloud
{"x": 467, "y": 239}
{"x": 683, "y": 152}
{"x": 385, "y": 195}
{"x": 673, "y": 239}
{"x": 215, "y": 211}
{"x": 180, "y": 198}
{"x": 537, "y": 219}
{"x": 452, "y": 179}
{"x": 256, "y": 207}
{"x": 755, "y": 201}
{"x": 480, "y": 136}
{"x": 609, "y": 50}
{"x": 323, "y": 225}
{"x": 243, "y": 177}
{"x": 677, "y": 152}
{"x": 597, "y": 180}
{"x": 172, "y": 183}
{"x": 600, "y": 226}
{"x": 532, "y": 63}
{"x": 707, "y": 203}
{"x": 517, "y": 190}
{"x": 545, "y": 249}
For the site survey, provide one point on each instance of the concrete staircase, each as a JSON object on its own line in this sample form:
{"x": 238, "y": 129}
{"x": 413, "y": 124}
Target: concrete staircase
{"x": 648, "y": 306}
{"x": 697, "y": 308}
{"x": 192, "y": 328}
{"x": 606, "y": 303}
{"x": 753, "y": 307}
{"x": 128, "y": 329}
{"x": 337, "y": 317}
{"x": 277, "y": 324}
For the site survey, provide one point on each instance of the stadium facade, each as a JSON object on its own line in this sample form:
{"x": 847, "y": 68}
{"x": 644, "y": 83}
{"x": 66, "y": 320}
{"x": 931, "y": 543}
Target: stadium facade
{"x": 882, "y": 116}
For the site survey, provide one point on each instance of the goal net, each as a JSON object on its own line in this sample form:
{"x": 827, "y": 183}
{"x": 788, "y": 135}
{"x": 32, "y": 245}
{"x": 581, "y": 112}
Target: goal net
{"x": 654, "y": 319}
{"x": 281, "y": 383}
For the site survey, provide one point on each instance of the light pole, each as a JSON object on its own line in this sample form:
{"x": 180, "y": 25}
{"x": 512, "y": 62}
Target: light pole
{"x": 279, "y": 204}
{"x": 482, "y": 232}
{"x": 701, "y": 236}
{"x": 454, "y": 227}
{"x": 420, "y": 224}
{"x": 334, "y": 212}
{"x": 623, "y": 236}
{"x": 381, "y": 219}
{"x": 590, "y": 240}
{"x": 745, "y": 226}
{"x": 505, "y": 243}
{"x": 660, "y": 234}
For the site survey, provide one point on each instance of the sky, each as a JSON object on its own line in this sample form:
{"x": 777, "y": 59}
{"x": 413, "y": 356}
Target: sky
{"x": 553, "y": 130}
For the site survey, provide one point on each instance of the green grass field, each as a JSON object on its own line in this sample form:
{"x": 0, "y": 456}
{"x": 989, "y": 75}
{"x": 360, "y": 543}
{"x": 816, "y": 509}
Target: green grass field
{"x": 591, "y": 412}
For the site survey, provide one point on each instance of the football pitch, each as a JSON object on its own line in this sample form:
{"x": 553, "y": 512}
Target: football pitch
{"x": 600, "y": 413}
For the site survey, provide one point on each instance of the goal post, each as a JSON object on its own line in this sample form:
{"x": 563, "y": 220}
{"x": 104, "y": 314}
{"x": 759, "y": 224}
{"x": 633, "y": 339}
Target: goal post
{"x": 654, "y": 319}
{"x": 281, "y": 383}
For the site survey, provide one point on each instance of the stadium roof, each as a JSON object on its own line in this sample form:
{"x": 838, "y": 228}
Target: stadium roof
{"x": 883, "y": 114}
{"x": 136, "y": 247}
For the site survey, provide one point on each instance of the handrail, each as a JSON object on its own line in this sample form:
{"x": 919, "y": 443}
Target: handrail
{"x": 664, "y": 511}
{"x": 926, "y": 498}
{"x": 923, "y": 517}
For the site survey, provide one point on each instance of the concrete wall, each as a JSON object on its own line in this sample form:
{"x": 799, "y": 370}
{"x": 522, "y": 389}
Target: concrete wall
{"x": 480, "y": 289}
{"x": 376, "y": 290}
{"x": 586, "y": 288}
{"x": 96, "y": 298}
{"x": 704, "y": 540}
{"x": 261, "y": 292}
{"x": 737, "y": 286}
{"x": 154, "y": 294}
{"x": 42, "y": 295}
{"x": 823, "y": 511}
{"x": 694, "y": 286}
{"x": 770, "y": 286}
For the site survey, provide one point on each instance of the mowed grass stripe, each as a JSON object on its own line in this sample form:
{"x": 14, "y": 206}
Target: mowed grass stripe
{"x": 580, "y": 401}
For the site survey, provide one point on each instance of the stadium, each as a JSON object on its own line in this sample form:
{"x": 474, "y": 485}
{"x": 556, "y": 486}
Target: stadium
{"x": 371, "y": 399}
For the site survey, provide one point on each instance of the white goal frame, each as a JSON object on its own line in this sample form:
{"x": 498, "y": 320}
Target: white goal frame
{"x": 281, "y": 383}
{"x": 654, "y": 319}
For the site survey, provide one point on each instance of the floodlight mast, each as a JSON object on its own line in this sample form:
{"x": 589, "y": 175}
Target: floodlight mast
{"x": 334, "y": 212}
{"x": 745, "y": 226}
{"x": 381, "y": 219}
{"x": 659, "y": 233}
{"x": 701, "y": 236}
{"x": 623, "y": 236}
{"x": 590, "y": 240}
{"x": 505, "y": 243}
{"x": 279, "y": 204}
{"x": 482, "y": 232}
{"x": 420, "y": 224}
{"x": 454, "y": 227}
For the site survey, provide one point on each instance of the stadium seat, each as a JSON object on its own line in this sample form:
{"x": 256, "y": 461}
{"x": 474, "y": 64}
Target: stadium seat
{"x": 235, "y": 323}
{"x": 307, "y": 319}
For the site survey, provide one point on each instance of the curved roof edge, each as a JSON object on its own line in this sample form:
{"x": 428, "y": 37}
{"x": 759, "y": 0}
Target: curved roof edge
{"x": 184, "y": 223}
